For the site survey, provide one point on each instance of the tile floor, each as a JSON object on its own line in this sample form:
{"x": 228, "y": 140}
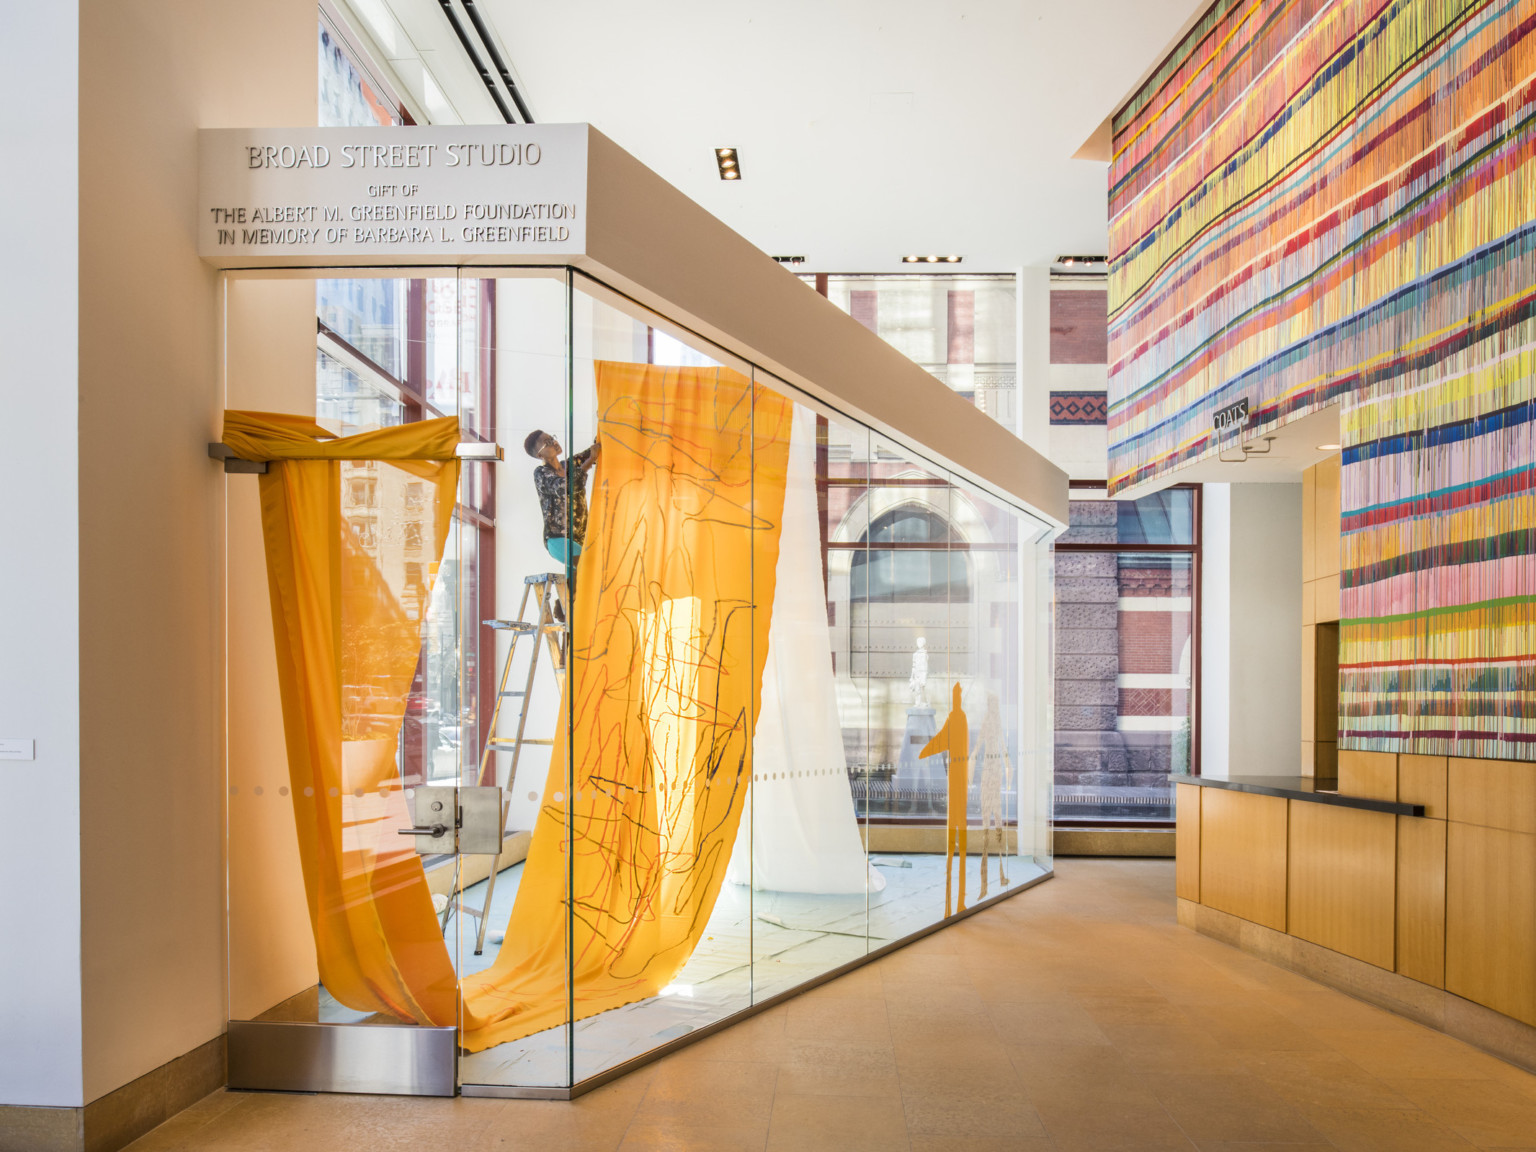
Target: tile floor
{"x": 1076, "y": 1017}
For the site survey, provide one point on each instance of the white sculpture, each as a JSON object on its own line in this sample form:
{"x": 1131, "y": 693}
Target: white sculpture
{"x": 995, "y": 771}
{"x": 918, "y": 681}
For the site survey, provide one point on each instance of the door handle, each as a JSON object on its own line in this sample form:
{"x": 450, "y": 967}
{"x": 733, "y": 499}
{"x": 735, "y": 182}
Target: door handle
{"x": 432, "y": 830}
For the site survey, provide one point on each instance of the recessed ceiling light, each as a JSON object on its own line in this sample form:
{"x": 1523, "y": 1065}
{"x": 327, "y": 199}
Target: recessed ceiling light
{"x": 728, "y": 163}
{"x": 1069, "y": 261}
{"x": 1329, "y": 447}
{"x": 932, "y": 259}
{"x": 790, "y": 259}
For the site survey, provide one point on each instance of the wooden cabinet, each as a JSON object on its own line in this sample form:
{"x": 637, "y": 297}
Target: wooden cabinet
{"x": 1242, "y": 855}
{"x": 1342, "y": 880}
{"x": 1490, "y": 917}
{"x": 1421, "y": 898}
{"x": 1186, "y": 880}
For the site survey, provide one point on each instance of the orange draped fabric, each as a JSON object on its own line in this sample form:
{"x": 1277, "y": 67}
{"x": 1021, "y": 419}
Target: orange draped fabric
{"x": 346, "y": 615}
{"x": 664, "y": 686}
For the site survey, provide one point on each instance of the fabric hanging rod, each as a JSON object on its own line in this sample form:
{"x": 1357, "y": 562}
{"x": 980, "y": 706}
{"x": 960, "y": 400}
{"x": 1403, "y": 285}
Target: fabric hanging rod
{"x": 466, "y": 450}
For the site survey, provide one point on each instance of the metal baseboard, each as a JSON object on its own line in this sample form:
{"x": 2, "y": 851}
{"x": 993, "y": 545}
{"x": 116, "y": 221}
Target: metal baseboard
{"x": 383, "y": 1059}
{"x": 608, "y": 1075}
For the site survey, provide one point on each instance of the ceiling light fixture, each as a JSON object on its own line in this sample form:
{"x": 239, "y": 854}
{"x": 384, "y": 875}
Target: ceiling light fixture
{"x": 932, "y": 259}
{"x": 1329, "y": 447}
{"x": 790, "y": 259}
{"x": 1070, "y": 261}
{"x": 728, "y": 163}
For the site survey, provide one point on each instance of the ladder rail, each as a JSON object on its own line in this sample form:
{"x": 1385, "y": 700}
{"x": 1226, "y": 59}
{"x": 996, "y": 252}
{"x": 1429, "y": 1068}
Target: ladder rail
{"x": 552, "y": 592}
{"x": 501, "y": 688}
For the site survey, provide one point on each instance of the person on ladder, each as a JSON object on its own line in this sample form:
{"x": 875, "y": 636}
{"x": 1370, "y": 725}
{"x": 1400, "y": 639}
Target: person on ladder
{"x": 563, "y": 499}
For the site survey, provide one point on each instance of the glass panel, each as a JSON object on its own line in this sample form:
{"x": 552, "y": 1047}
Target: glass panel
{"x": 1123, "y": 683}
{"x": 803, "y": 854}
{"x": 1125, "y": 665}
{"x": 370, "y": 316}
{"x": 511, "y": 382}
{"x": 902, "y": 608}
{"x": 843, "y": 468}
{"x": 664, "y": 647}
{"x": 960, "y": 328}
{"x": 1004, "y": 816}
{"x": 334, "y": 815}
{"x": 1165, "y": 517}
{"x": 347, "y": 100}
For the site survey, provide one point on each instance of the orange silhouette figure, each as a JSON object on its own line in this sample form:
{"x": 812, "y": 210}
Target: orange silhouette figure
{"x": 955, "y": 739}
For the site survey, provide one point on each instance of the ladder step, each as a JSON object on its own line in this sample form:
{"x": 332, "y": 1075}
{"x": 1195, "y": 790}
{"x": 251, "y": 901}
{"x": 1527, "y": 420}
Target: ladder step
{"x": 511, "y": 625}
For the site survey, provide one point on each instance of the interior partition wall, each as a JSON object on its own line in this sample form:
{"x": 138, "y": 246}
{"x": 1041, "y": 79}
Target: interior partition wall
{"x": 700, "y": 644}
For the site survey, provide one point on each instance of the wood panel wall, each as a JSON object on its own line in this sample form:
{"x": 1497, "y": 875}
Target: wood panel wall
{"x": 1342, "y": 880}
{"x": 1187, "y": 841}
{"x": 1447, "y": 898}
{"x": 1242, "y": 855}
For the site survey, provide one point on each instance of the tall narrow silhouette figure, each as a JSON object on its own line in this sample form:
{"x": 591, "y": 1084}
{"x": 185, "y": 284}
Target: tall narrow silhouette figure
{"x": 955, "y": 739}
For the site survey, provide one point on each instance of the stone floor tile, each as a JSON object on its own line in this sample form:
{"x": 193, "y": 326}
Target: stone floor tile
{"x": 652, "y": 1135}
{"x": 1482, "y": 1111}
{"x": 720, "y": 1095}
{"x": 1231, "y": 1107}
{"x": 1352, "y": 1129}
{"x": 1079, "y": 1017}
{"x": 837, "y": 1124}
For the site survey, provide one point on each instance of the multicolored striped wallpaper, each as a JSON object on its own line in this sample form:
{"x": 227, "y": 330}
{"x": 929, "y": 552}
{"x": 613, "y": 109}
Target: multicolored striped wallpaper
{"x": 1319, "y": 201}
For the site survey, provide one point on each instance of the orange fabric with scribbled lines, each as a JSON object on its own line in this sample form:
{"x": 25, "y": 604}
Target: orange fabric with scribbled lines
{"x": 663, "y": 689}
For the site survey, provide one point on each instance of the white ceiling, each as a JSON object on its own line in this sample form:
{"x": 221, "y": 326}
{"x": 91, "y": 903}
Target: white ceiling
{"x": 866, "y": 129}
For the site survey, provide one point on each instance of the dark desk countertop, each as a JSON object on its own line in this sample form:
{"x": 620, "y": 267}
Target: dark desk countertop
{"x": 1299, "y": 788}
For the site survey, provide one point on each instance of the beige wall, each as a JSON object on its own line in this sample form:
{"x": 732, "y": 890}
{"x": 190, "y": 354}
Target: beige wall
{"x": 151, "y": 508}
{"x": 270, "y": 368}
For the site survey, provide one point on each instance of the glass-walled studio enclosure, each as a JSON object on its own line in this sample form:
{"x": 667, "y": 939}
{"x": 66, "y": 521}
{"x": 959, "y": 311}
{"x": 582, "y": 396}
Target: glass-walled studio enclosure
{"x": 762, "y": 690}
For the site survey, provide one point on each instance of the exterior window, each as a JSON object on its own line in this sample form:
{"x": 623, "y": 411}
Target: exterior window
{"x": 348, "y": 98}
{"x": 961, "y": 328}
{"x": 907, "y": 559}
{"x": 394, "y": 351}
{"x": 1127, "y": 639}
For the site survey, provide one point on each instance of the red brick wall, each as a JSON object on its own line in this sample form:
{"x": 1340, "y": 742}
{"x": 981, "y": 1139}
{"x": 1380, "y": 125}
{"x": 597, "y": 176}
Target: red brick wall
{"x": 1152, "y": 641}
{"x": 1079, "y": 327}
{"x": 864, "y": 306}
{"x": 962, "y": 327}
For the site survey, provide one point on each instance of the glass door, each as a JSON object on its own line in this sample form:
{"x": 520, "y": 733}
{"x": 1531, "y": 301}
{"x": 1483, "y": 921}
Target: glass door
{"x": 352, "y": 712}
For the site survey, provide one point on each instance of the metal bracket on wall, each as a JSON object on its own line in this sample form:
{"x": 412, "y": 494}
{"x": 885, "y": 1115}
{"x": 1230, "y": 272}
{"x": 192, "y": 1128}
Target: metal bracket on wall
{"x": 233, "y": 463}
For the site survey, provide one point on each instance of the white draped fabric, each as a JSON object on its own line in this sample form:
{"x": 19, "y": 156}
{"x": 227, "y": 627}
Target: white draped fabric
{"x": 798, "y": 831}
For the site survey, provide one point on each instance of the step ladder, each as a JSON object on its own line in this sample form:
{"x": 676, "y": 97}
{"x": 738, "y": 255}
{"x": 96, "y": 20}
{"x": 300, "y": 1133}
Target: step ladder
{"x": 548, "y": 592}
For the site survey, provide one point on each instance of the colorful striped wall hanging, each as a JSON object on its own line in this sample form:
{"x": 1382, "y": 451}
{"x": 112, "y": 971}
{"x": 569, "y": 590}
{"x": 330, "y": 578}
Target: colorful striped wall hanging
{"x": 1334, "y": 201}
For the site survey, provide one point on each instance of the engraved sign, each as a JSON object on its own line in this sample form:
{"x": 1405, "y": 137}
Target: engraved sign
{"x": 306, "y": 196}
{"x": 1234, "y": 415}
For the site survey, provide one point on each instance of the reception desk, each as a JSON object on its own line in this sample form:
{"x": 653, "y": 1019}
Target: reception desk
{"x": 1412, "y": 885}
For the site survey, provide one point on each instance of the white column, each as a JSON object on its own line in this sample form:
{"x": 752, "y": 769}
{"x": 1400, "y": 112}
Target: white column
{"x": 40, "y": 1012}
{"x": 1251, "y": 601}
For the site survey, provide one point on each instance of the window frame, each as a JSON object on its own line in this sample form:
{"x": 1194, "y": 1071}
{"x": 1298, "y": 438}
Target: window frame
{"x": 1193, "y": 551}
